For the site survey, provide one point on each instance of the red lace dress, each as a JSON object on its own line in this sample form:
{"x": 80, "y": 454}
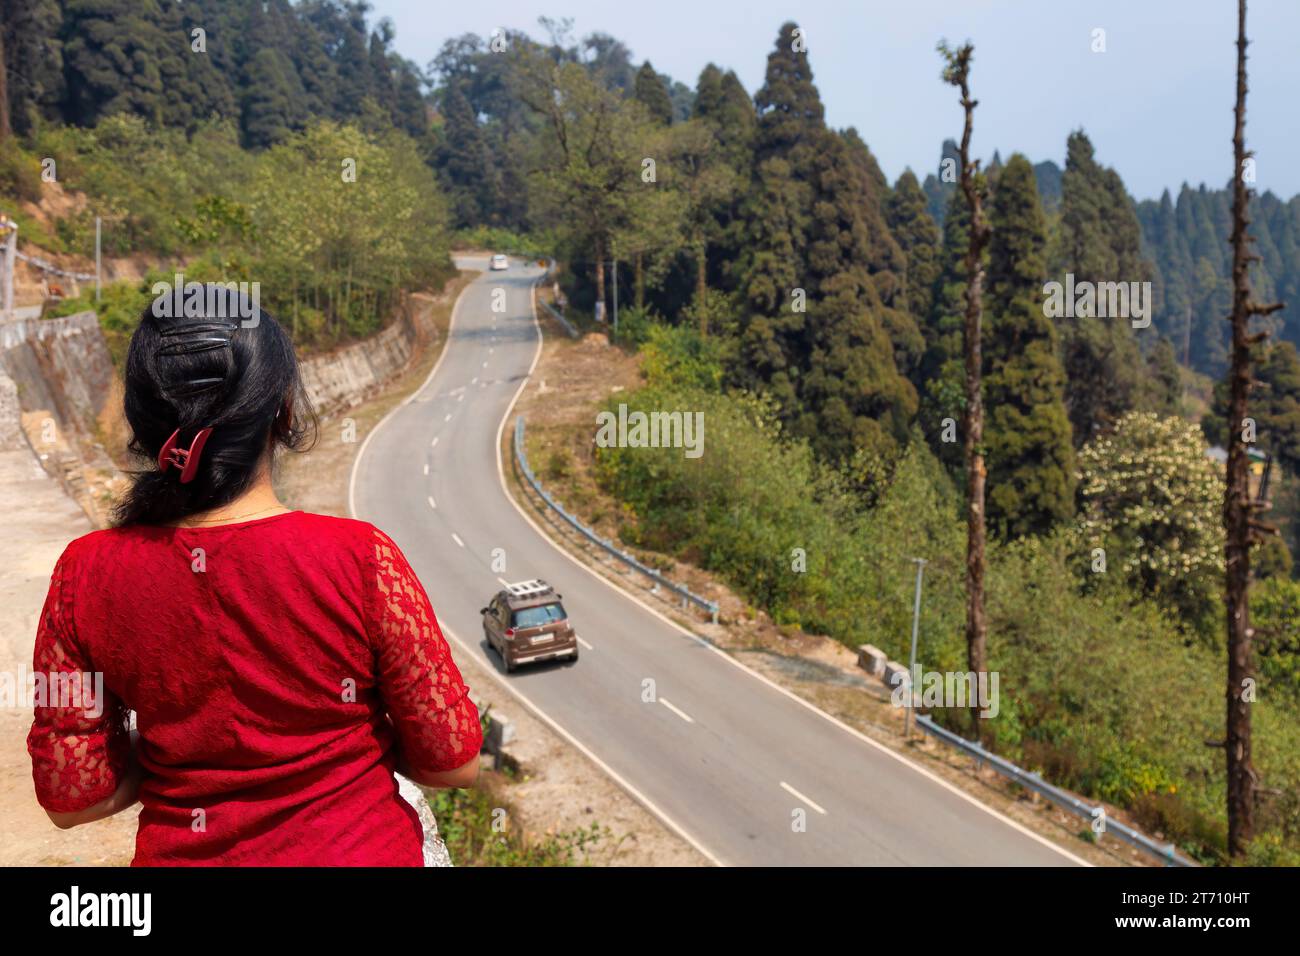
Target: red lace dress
{"x": 276, "y": 667}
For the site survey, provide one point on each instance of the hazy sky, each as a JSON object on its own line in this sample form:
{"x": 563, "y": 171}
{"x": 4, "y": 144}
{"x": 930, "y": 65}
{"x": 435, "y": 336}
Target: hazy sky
{"x": 1157, "y": 103}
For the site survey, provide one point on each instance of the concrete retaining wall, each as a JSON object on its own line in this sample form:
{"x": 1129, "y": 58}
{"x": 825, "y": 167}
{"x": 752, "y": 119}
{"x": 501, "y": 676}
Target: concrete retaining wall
{"x": 348, "y": 375}
{"x": 61, "y": 365}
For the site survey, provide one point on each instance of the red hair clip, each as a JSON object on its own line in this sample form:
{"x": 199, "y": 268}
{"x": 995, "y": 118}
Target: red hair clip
{"x": 186, "y": 459}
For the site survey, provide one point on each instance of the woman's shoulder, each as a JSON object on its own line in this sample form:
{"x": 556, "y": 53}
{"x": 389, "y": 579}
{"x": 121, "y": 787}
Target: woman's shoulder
{"x": 302, "y": 526}
{"x": 333, "y": 525}
{"x": 348, "y": 534}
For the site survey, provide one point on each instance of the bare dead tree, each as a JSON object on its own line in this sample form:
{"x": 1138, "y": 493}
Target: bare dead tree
{"x": 956, "y": 72}
{"x": 1239, "y": 512}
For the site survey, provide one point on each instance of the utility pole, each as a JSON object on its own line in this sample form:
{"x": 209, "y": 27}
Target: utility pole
{"x": 9, "y": 238}
{"x": 615, "y": 298}
{"x": 97, "y": 251}
{"x": 911, "y": 664}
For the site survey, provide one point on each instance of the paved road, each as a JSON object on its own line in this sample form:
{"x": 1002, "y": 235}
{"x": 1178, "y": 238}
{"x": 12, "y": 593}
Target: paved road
{"x": 725, "y": 758}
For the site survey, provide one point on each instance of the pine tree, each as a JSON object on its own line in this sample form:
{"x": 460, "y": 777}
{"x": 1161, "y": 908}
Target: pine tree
{"x": 111, "y": 60}
{"x": 649, "y": 90}
{"x": 1099, "y": 241}
{"x": 272, "y": 98}
{"x": 464, "y": 162}
{"x": 1030, "y": 455}
{"x": 918, "y": 236}
{"x": 830, "y": 366}
{"x": 31, "y": 63}
{"x": 723, "y": 105}
{"x": 1166, "y": 378}
{"x": 943, "y": 391}
{"x": 885, "y": 259}
{"x": 409, "y": 112}
{"x": 382, "y": 88}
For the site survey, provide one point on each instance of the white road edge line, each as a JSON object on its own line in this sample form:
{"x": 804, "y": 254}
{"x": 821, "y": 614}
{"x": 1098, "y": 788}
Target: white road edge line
{"x": 801, "y": 798}
{"x": 677, "y": 710}
{"x": 928, "y": 774}
{"x": 361, "y": 452}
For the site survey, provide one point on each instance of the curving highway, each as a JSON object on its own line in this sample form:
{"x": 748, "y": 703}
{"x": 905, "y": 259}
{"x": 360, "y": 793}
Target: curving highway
{"x": 731, "y": 762}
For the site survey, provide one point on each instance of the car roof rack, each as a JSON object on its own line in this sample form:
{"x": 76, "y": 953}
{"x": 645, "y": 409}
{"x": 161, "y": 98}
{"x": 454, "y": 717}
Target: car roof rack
{"x": 528, "y": 589}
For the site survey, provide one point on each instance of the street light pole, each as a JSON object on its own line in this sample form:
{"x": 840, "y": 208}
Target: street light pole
{"x": 911, "y": 665}
{"x": 615, "y": 298}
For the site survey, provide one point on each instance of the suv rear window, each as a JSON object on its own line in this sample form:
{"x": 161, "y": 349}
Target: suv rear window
{"x": 538, "y": 616}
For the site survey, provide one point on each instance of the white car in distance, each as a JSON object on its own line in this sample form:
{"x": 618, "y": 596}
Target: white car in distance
{"x": 500, "y": 262}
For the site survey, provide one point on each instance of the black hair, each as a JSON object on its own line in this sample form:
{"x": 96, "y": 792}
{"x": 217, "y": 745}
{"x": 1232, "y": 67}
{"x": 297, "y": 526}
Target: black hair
{"x": 208, "y": 357}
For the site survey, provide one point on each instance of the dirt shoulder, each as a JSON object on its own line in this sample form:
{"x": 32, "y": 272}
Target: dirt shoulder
{"x": 571, "y": 382}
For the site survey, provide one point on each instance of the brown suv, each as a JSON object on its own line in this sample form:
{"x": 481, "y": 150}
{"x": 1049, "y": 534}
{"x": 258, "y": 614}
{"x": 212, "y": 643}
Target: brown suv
{"x": 526, "y": 622}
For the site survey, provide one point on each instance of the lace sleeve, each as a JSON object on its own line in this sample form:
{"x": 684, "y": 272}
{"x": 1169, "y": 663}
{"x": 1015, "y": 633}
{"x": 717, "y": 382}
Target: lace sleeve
{"x": 437, "y": 724}
{"x": 79, "y": 742}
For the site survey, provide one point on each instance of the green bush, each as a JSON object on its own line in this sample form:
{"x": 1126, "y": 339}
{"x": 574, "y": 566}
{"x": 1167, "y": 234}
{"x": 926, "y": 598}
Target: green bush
{"x": 20, "y": 173}
{"x": 468, "y": 822}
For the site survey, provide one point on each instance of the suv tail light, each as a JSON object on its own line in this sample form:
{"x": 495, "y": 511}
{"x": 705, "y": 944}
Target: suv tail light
{"x": 510, "y": 632}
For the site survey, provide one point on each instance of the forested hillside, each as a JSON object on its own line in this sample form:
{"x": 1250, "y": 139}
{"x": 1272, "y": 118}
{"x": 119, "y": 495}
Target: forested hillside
{"x": 282, "y": 144}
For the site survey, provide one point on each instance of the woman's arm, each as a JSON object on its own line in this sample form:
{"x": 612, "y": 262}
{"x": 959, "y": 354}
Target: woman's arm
{"x": 125, "y": 796}
{"x": 435, "y": 722}
{"x": 80, "y": 743}
{"x": 463, "y": 776}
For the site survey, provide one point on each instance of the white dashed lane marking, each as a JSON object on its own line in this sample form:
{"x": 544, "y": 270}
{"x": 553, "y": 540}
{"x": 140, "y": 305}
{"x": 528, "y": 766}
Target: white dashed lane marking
{"x": 677, "y": 710}
{"x": 801, "y": 798}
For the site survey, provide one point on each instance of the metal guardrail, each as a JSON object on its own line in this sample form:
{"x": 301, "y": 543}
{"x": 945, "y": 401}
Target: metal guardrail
{"x": 46, "y": 266}
{"x": 659, "y": 580}
{"x": 573, "y": 333}
{"x": 1168, "y": 853}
